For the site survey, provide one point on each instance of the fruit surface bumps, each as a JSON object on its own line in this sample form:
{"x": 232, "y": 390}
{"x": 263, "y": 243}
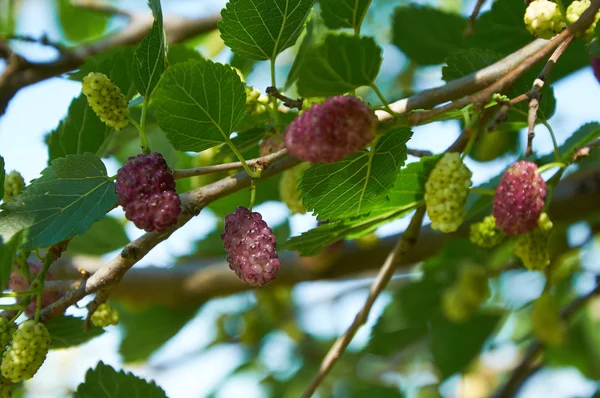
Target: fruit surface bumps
{"x": 329, "y": 132}
{"x": 519, "y": 199}
{"x": 485, "y": 234}
{"x": 105, "y": 315}
{"x": 543, "y": 19}
{"x": 532, "y": 248}
{"x": 6, "y": 387}
{"x": 13, "y": 185}
{"x": 7, "y": 329}
{"x": 575, "y": 10}
{"x": 288, "y": 188}
{"x": 106, "y": 100}
{"x": 446, "y": 193}
{"x": 256, "y": 102}
{"x": 145, "y": 188}
{"x": 19, "y": 284}
{"x": 546, "y": 323}
{"x": 250, "y": 246}
{"x": 26, "y": 352}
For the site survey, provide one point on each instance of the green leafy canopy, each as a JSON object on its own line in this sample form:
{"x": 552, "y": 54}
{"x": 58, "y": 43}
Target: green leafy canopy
{"x": 262, "y": 29}
{"x": 71, "y": 194}
{"x": 198, "y": 103}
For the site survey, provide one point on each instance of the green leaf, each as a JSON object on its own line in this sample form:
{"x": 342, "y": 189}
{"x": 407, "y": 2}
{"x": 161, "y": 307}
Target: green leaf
{"x": 105, "y": 382}
{"x": 8, "y": 11}
{"x": 2, "y": 175}
{"x": 7, "y": 253}
{"x": 116, "y": 63}
{"x": 262, "y": 29}
{"x": 344, "y": 13}
{"x": 358, "y": 183}
{"x": 315, "y": 240}
{"x": 427, "y": 35}
{"x": 455, "y": 345}
{"x": 80, "y": 132}
{"x": 409, "y": 187}
{"x": 181, "y": 53}
{"x": 79, "y": 24}
{"x": 339, "y": 65}
{"x": 103, "y": 237}
{"x": 467, "y": 61}
{"x": 198, "y": 104}
{"x": 67, "y": 331}
{"x": 583, "y": 136}
{"x": 70, "y": 195}
{"x": 147, "y": 330}
{"x": 149, "y": 58}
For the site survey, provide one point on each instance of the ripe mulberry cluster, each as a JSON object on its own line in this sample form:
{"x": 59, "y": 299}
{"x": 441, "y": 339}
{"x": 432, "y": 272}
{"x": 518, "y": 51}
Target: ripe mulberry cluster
{"x": 13, "y": 185}
{"x": 446, "y": 193}
{"x": 250, "y": 247}
{"x": 330, "y": 131}
{"x": 106, "y": 100}
{"x": 288, "y": 188}
{"x": 466, "y": 295}
{"x": 27, "y": 351}
{"x": 104, "y": 316}
{"x": 575, "y": 10}
{"x": 485, "y": 234}
{"x": 519, "y": 199}
{"x": 543, "y": 19}
{"x": 146, "y": 190}
{"x": 546, "y": 322}
{"x": 256, "y": 103}
{"x": 532, "y": 248}
{"x": 19, "y": 284}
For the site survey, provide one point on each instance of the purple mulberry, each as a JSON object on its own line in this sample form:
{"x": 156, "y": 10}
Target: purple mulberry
{"x": 330, "y": 131}
{"x": 596, "y": 67}
{"x": 156, "y": 213}
{"x": 519, "y": 199}
{"x": 146, "y": 190}
{"x": 142, "y": 176}
{"x": 18, "y": 284}
{"x": 250, "y": 247}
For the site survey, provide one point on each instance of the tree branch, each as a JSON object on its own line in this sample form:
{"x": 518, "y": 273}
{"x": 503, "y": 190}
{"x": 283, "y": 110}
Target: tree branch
{"x": 405, "y": 243}
{"x": 20, "y": 73}
{"x": 521, "y": 373}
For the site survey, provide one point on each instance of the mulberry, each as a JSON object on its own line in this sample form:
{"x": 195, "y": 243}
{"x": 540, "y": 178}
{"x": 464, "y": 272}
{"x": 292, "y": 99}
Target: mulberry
{"x": 532, "y": 248}
{"x": 156, "y": 213}
{"x": 6, "y": 388}
{"x": 519, "y": 199}
{"x": 485, "y": 233}
{"x": 543, "y": 19}
{"x": 596, "y": 67}
{"x": 13, "y": 185}
{"x": 256, "y": 102}
{"x": 250, "y": 246}
{"x": 575, "y": 10}
{"x": 330, "y": 131}
{"x": 104, "y": 316}
{"x": 7, "y": 329}
{"x": 27, "y": 351}
{"x": 288, "y": 188}
{"x": 106, "y": 100}
{"x": 446, "y": 193}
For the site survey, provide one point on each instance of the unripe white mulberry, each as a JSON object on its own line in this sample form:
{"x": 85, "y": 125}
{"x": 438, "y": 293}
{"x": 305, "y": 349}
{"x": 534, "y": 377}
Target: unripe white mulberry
{"x": 485, "y": 233}
{"x": 6, "y": 387}
{"x": 13, "y": 185}
{"x": 106, "y": 100}
{"x": 543, "y": 19}
{"x": 27, "y": 351}
{"x": 256, "y": 102}
{"x": 532, "y": 248}
{"x": 104, "y": 316}
{"x": 446, "y": 193}
{"x": 7, "y": 329}
{"x": 288, "y": 188}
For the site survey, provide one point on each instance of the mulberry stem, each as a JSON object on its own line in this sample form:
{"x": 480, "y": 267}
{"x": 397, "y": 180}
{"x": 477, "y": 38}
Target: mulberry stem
{"x": 39, "y": 282}
{"x": 549, "y": 166}
{"x": 273, "y": 99}
{"x": 381, "y": 97}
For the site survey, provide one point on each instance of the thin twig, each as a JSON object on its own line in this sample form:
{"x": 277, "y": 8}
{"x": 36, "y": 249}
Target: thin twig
{"x": 482, "y": 97}
{"x": 520, "y": 374}
{"x": 287, "y": 101}
{"x": 44, "y": 40}
{"x": 197, "y": 171}
{"x": 473, "y": 18}
{"x": 585, "y": 151}
{"x": 100, "y": 6}
{"x": 419, "y": 153}
{"x": 405, "y": 243}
